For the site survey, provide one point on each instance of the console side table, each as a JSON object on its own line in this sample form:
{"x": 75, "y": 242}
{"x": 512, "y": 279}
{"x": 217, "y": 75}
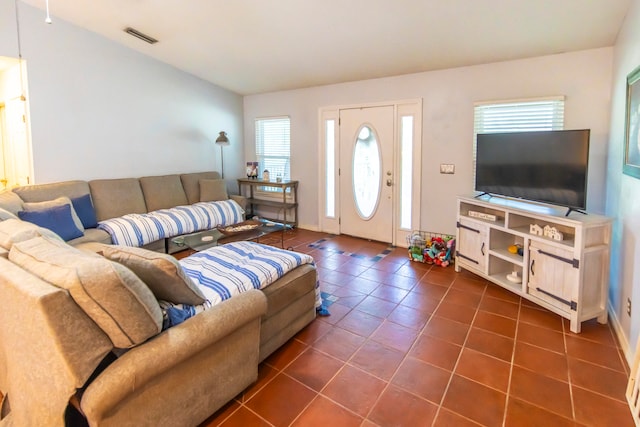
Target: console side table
{"x": 248, "y": 186}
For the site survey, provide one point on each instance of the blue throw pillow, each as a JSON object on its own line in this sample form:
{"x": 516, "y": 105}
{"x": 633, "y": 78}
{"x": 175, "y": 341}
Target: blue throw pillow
{"x": 57, "y": 219}
{"x": 85, "y": 211}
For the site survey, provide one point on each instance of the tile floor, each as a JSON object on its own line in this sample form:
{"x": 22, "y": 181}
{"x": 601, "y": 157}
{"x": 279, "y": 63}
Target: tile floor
{"x": 408, "y": 344}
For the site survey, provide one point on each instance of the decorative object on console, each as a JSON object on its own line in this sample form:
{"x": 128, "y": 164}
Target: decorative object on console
{"x": 265, "y": 175}
{"x": 516, "y": 249}
{"x": 482, "y": 215}
{"x": 631, "y": 165}
{"x": 252, "y": 170}
{"x": 535, "y": 229}
{"x": 552, "y": 233}
{"x": 222, "y": 140}
{"x": 514, "y": 277}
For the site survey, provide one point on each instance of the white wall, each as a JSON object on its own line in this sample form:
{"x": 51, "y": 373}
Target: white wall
{"x": 449, "y": 95}
{"x": 623, "y": 191}
{"x": 100, "y": 110}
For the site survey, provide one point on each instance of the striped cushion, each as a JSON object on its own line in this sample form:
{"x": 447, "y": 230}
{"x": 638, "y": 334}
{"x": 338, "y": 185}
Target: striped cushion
{"x": 141, "y": 229}
{"x": 224, "y": 271}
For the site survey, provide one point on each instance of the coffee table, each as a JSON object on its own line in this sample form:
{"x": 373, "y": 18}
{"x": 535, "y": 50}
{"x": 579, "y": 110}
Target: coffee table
{"x": 206, "y": 239}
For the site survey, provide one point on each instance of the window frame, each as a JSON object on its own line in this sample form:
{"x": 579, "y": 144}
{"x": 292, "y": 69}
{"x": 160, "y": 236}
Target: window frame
{"x": 260, "y": 149}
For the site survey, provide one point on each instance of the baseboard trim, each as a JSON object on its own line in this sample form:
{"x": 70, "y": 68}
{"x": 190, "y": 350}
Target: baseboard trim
{"x": 308, "y": 227}
{"x": 622, "y": 338}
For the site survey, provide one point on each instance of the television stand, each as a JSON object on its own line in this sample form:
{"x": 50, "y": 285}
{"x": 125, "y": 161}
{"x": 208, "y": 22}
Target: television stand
{"x": 569, "y": 210}
{"x": 482, "y": 194}
{"x": 564, "y": 262}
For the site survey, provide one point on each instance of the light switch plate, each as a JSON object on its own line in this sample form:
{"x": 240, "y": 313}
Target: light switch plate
{"x": 447, "y": 168}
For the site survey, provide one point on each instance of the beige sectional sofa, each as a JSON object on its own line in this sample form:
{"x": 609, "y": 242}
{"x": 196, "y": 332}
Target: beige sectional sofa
{"x": 54, "y": 351}
{"x": 114, "y": 198}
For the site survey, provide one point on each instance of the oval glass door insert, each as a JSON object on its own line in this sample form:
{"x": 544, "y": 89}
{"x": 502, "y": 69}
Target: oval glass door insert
{"x": 366, "y": 172}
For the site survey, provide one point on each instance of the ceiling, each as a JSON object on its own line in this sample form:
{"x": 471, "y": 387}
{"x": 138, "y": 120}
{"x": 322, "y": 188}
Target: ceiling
{"x": 257, "y": 46}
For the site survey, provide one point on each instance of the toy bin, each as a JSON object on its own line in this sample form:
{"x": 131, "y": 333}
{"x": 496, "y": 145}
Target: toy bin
{"x": 431, "y": 248}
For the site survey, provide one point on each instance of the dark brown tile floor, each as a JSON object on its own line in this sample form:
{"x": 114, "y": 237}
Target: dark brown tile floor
{"x": 408, "y": 344}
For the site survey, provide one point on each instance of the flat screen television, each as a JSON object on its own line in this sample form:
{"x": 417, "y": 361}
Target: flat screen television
{"x": 542, "y": 166}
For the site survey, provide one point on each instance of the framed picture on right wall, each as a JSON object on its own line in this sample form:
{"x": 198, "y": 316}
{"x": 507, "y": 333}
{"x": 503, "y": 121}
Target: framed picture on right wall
{"x": 631, "y": 164}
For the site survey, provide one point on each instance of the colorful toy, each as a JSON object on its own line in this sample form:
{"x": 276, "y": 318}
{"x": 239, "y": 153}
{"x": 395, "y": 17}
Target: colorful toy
{"x": 416, "y": 253}
{"x": 439, "y": 251}
{"x": 436, "y": 250}
{"x": 516, "y": 249}
{"x": 417, "y": 245}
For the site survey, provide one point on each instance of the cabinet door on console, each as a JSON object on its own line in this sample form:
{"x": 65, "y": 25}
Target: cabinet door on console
{"x": 553, "y": 276}
{"x": 472, "y": 245}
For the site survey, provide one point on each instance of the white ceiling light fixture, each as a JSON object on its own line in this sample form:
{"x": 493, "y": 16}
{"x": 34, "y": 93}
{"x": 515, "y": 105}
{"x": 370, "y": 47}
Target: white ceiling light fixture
{"x": 48, "y": 18}
{"x": 140, "y": 35}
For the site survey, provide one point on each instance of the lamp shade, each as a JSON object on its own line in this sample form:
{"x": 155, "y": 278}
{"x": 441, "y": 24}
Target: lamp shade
{"x": 222, "y": 139}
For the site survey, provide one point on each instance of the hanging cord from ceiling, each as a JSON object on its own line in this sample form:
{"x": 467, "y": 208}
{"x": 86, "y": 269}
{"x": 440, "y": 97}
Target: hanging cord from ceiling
{"x": 22, "y": 96}
{"x": 48, "y": 21}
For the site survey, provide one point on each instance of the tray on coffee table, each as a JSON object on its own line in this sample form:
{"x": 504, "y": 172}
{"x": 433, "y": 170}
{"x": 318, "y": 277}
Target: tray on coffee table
{"x": 246, "y": 230}
{"x": 241, "y": 227}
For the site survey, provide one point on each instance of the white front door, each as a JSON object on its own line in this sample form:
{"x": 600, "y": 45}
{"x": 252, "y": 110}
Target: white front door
{"x": 366, "y": 172}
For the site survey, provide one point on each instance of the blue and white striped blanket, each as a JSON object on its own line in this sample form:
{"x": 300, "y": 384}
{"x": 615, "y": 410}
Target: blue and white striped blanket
{"x": 223, "y": 271}
{"x": 141, "y": 229}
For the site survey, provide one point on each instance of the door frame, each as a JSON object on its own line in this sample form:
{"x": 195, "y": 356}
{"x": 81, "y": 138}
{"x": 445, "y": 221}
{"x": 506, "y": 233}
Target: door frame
{"x": 329, "y": 222}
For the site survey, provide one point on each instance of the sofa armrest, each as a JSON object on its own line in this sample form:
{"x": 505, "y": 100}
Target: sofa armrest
{"x": 150, "y": 362}
{"x": 241, "y": 200}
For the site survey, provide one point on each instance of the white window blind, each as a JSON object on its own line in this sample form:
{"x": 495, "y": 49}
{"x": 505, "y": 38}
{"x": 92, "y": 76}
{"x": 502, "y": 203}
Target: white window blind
{"x": 545, "y": 114}
{"x": 273, "y": 141}
{"x": 517, "y": 116}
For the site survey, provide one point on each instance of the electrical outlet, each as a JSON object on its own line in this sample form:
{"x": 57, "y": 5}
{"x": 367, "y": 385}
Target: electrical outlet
{"x": 629, "y": 306}
{"x": 447, "y": 168}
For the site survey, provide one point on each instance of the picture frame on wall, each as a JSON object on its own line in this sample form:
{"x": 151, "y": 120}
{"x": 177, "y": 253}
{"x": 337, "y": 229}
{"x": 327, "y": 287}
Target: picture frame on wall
{"x": 631, "y": 164}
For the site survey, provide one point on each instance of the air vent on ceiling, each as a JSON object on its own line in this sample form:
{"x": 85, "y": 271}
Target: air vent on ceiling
{"x": 141, "y": 36}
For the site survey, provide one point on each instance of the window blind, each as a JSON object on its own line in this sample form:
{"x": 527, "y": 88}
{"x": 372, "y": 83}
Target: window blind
{"x": 547, "y": 114}
{"x": 273, "y": 142}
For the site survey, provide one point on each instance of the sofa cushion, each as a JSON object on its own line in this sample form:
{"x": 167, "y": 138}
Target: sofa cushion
{"x": 111, "y": 294}
{"x": 46, "y": 205}
{"x": 92, "y": 235}
{"x": 161, "y": 272}
{"x": 85, "y": 210}
{"x": 10, "y": 201}
{"x": 14, "y": 231}
{"x": 49, "y": 191}
{"x": 58, "y": 219}
{"x": 163, "y": 192}
{"x": 5, "y": 214}
{"x": 213, "y": 190}
{"x": 191, "y": 184}
{"x": 113, "y": 198}
{"x": 50, "y": 348}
